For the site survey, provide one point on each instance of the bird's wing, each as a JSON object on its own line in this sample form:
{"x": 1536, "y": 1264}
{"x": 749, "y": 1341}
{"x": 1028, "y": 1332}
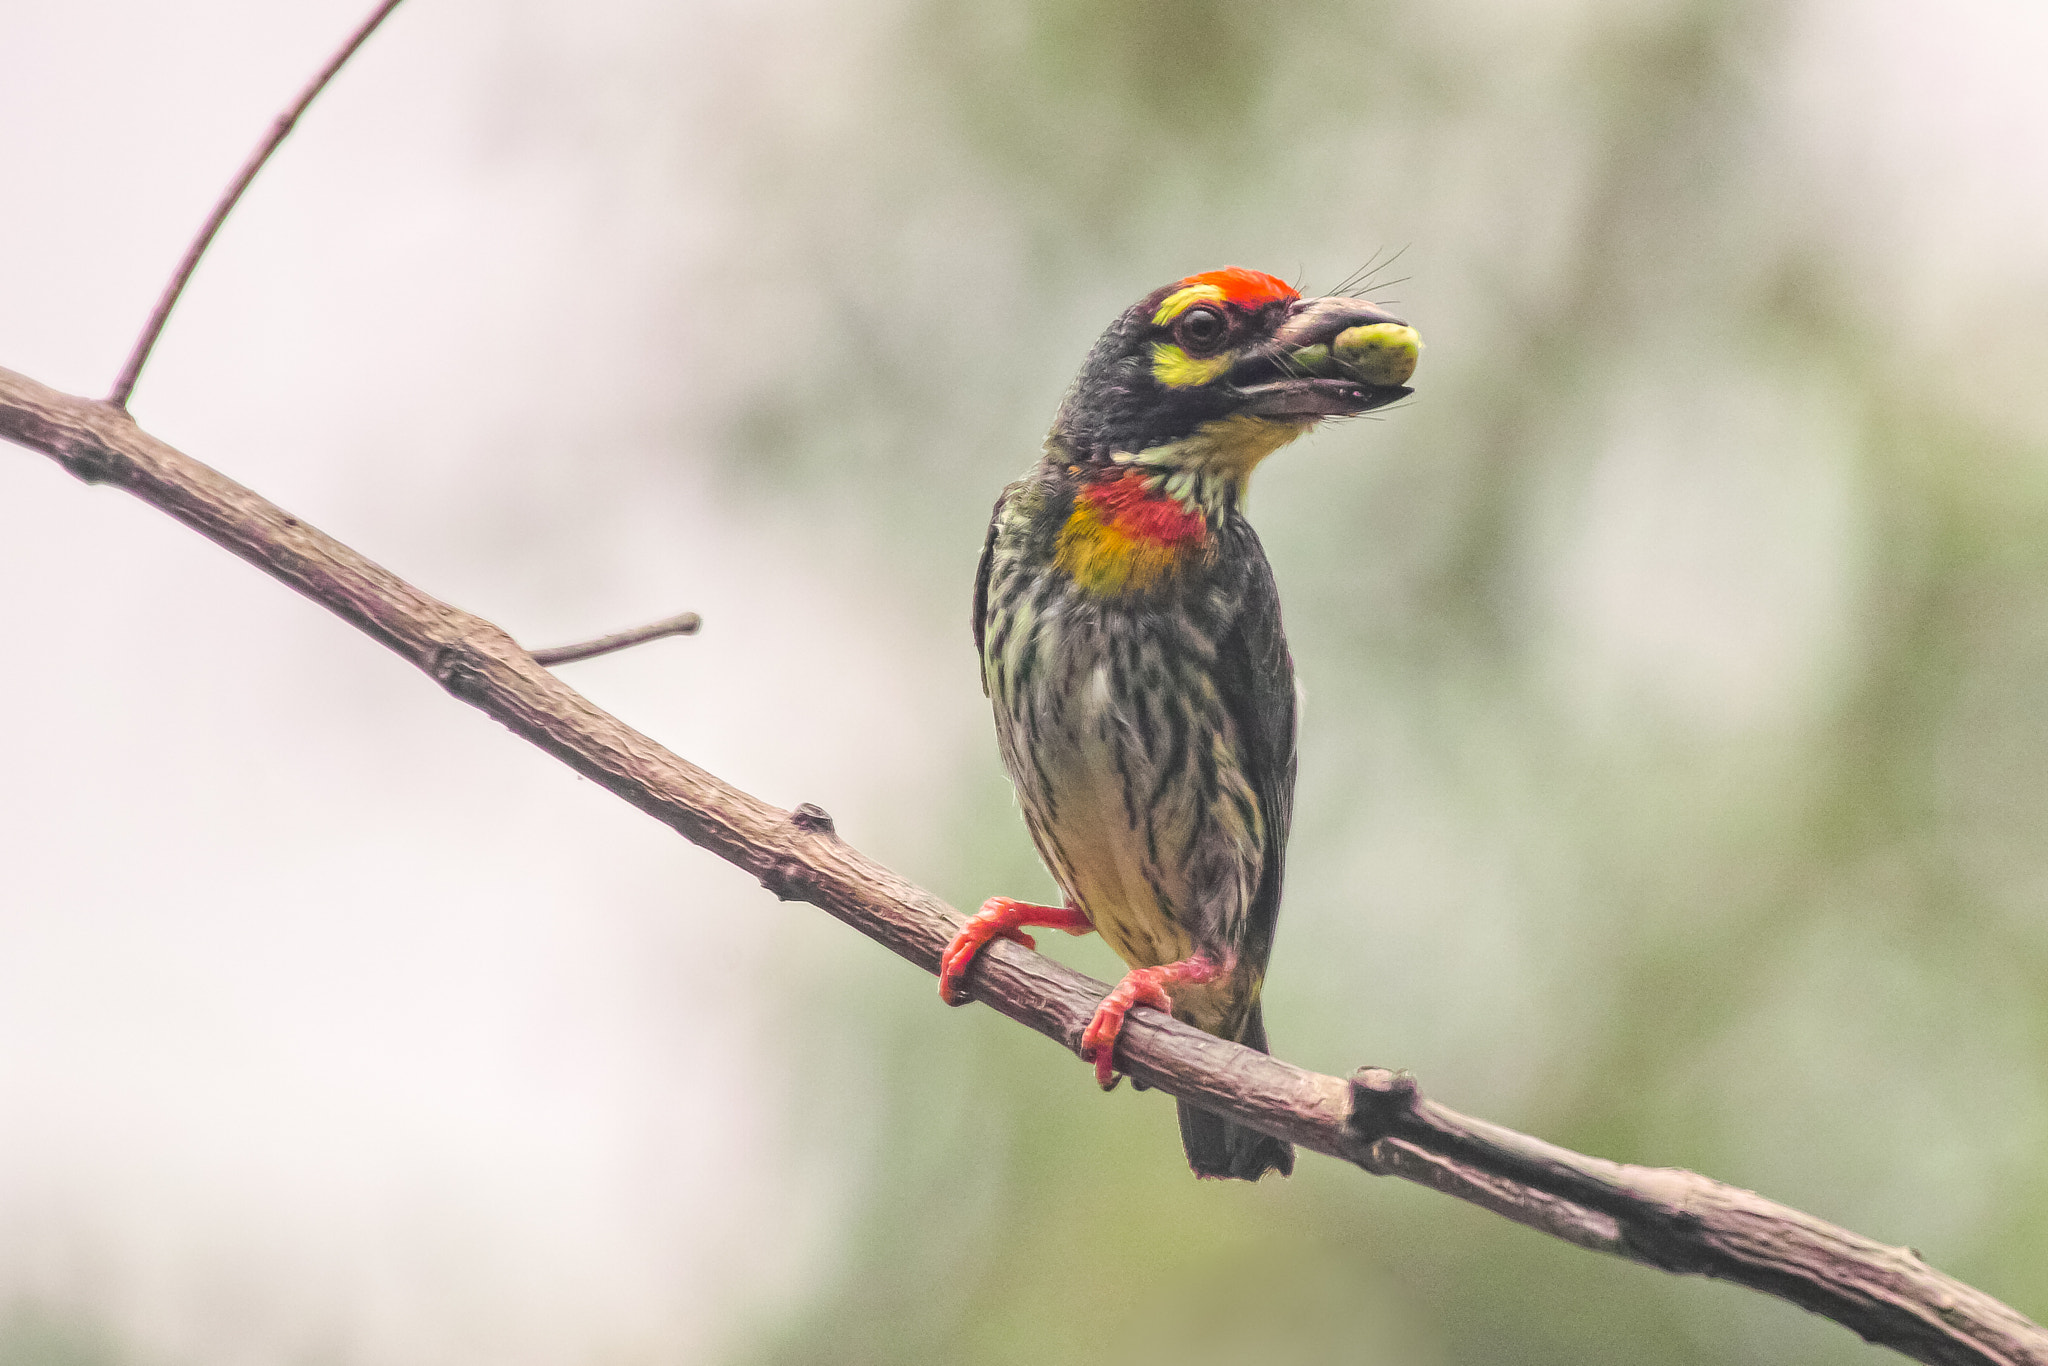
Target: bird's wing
{"x": 1255, "y": 675}
{"x": 981, "y": 572}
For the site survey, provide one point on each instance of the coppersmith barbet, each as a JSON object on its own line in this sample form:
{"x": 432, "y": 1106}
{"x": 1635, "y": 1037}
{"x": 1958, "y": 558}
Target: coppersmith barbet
{"x": 1130, "y": 641}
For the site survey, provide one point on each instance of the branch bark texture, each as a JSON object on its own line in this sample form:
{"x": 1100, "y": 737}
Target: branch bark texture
{"x": 1674, "y": 1220}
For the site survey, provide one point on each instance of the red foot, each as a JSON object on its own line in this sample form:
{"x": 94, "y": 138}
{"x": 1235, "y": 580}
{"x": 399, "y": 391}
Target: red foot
{"x": 1000, "y": 918}
{"x": 1140, "y": 987}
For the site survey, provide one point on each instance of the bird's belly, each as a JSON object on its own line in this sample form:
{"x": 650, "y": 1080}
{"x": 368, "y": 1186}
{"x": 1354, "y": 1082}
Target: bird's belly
{"x": 1126, "y": 771}
{"x": 1106, "y": 851}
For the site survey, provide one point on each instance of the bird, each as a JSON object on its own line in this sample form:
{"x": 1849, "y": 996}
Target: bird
{"x": 1130, "y": 642}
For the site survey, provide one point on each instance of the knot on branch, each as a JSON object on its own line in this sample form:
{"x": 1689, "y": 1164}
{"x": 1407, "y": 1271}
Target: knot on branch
{"x": 813, "y": 819}
{"x": 454, "y": 667}
{"x": 789, "y": 879}
{"x": 91, "y": 464}
{"x": 1660, "y": 1233}
{"x": 89, "y": 461}
{"x": 1382, "y": 1102}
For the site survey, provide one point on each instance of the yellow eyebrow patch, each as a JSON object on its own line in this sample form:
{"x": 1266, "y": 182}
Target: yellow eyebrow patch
{"x": 1181, "y": 300}
{"x": 1176, "y": 369}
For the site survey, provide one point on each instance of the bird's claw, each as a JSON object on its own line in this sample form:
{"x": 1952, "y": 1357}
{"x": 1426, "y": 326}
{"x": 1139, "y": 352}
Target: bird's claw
{"x": 1140, "y": 987}
{"x": 999, "y": 918}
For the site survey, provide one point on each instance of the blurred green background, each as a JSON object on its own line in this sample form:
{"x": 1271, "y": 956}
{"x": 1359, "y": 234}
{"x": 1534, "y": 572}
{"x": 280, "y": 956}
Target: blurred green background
{"x": 1675, "y": 761}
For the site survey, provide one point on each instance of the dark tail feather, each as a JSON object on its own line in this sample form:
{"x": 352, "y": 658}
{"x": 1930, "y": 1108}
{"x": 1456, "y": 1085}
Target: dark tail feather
{"x": 1218, "y": 1147}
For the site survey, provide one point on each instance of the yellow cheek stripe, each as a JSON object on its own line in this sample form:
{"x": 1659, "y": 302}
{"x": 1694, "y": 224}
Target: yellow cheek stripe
{"x": 1181, "y": 300}
{"x": 1103, "y": 560}
{"x": 1176, "y": 369}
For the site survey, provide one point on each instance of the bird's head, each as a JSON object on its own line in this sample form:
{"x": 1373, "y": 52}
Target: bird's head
{"x": 1213, "y": 373}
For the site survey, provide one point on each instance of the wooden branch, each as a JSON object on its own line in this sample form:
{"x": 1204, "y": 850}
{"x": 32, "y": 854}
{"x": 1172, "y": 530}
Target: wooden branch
{"x": 1673, "y": 1220}
{"x": 280, "y": 128}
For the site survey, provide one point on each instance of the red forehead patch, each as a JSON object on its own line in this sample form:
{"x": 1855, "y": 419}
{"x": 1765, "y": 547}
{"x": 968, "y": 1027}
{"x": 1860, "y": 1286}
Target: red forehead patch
{"x": 1245, "y": 288}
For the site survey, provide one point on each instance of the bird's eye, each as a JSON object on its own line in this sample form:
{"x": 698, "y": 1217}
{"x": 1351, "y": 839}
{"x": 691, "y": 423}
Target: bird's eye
{"x": 1200, "y": 331}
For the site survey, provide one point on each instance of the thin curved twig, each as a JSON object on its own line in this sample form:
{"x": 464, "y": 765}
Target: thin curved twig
{"x": 1674, "y": 1220}
{"x": 685, "y": 624}
{"x": 124, "y": 386}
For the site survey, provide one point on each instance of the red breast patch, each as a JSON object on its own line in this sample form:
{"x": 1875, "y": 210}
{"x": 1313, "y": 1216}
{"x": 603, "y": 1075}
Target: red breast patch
{"x": 1131, "y": 510}
{"x": 1121, "y": 537}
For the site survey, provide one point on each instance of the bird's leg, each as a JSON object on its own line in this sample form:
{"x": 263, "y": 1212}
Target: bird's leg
{"x": 1000, "y": 918}
{"x": 1140, "y": 987}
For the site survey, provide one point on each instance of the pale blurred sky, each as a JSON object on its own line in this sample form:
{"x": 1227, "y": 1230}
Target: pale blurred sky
{"x": 333, "y": 1020}
{"x": 335, "y": 1024}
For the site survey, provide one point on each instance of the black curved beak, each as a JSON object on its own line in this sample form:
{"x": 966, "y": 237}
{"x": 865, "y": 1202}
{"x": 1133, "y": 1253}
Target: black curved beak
{"x": 1278, "y": 383}
{"x": 1313, "y": 322}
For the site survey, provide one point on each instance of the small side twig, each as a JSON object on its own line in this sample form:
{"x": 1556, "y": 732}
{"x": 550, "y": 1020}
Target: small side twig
{"x": 137, "y": 358}
{"x": 684, "y": 625}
